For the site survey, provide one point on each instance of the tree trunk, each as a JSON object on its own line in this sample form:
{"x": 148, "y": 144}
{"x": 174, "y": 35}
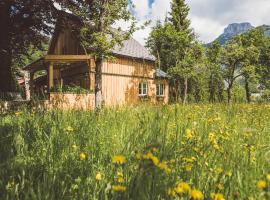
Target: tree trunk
{"x": 27, "y": 86}
{"x": 212, "y": 90}
{"x": 6, "y": 78}
{"x": 176, "y": 89}
{"x": 185, "y": 91}
{"x": 98, "y": 84}
{"x": 229, "y": 92}
{"x": 248, "y": 95}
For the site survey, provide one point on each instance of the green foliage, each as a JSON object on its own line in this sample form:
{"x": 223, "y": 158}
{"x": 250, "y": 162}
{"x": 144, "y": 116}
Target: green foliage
{"x": 179, "y": 16}
{"x": 98, "y": 17}
{"x": 68, "y": 154}
{"x": 25, "y": 24}
{"x": 213, "y": 63}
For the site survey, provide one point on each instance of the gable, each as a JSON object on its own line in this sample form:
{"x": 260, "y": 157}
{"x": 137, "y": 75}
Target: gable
{"x": 66, "y": 42}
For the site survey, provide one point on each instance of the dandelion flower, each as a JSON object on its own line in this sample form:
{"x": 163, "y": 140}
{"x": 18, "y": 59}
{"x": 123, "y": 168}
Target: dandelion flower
{"x": 119, "y": 159}
{"x": 163, "y": 166}
{"x": 119, "y": 188}
{"x": 217, "y": 196}
{"x": 182, "y": 187}
{"x": 98, "y": 177}
{"x": 82, "y": 156}
{"x": 261, "y": 184}
{"x": 268, "y": 177}
{"x": 120, "y": 180}
{"x": 189, "y": 167}
{"x": 69, "y": 129}
{"x": 120, "y": 174}
{"x": 155, "y": 160}
{"x": 196, "y": 195}
{"x": 189, "y": 134}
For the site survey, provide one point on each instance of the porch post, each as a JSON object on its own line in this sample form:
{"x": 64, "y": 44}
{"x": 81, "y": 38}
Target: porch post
{"x": 31, "y": 85}
{"x": 89, "y": 73}
{"x": 50, "y": 76}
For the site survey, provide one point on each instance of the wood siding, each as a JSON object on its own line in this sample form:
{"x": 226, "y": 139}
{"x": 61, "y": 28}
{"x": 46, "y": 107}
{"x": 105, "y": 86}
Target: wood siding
{"x": 121, "y": 78}
{"x": 66, "y": 44}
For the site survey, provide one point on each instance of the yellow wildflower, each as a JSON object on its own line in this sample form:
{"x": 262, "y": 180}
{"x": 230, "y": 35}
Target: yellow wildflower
{"x": 149, "y": 155}
{"x": 154, "y": 160}
{"x": 189, "y": 134}
{"x": 196, "y": 195}
{"x": 119, "y": 188}
{"x": 82, "y": 156}
{"x": 220, "y": 186}
{"x": 189, "y": 167}
{"x": 120, "y": 179}
{"x": 74, "y": 146}
{"x": 219, "y": 170}
{"x": 182, "y": 187}
{"x": 268, "y": 177}
{"x": 217, "y": 196}
{"x": 229, "y": 174}
{"x": 211, "y": 137}
{"x": 119, "y": 159}
{"x": 120, "y": 174}
{"x": 171, "y": 192}
{"x": 164, "y": 166}
{"x": 18, "y": 113}
{"x": 261, "y": 184}
{"x": 69, "y": 129}
{"x": 98, "y": 177}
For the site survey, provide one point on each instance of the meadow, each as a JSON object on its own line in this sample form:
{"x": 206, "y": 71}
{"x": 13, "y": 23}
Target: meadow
{"x": 172, "y": 152}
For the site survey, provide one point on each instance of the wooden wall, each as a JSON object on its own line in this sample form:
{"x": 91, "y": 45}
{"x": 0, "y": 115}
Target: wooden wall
{"x": 66, "y": 44}
{"x": 121, "y": 78}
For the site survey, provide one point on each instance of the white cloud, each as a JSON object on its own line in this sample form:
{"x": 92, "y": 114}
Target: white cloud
{"x": 206, "y": 29}
{"x": 141, "y": 9}
{"x": 208, "y": 17}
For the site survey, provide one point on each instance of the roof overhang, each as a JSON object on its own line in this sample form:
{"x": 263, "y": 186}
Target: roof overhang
{"x": 43, "y": 62}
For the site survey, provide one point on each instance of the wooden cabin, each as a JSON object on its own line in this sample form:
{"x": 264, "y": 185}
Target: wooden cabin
{"x": 67, "y": 75}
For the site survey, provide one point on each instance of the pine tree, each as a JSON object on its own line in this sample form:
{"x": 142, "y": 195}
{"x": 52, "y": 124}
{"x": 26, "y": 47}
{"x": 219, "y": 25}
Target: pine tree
{"x": 179, "y": 16}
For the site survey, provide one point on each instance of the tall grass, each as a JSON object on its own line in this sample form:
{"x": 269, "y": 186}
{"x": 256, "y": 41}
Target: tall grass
{"x": 69, "y": 154}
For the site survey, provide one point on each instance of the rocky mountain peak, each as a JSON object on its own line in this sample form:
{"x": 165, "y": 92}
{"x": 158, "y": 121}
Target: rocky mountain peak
{"x": 237, "y": 28}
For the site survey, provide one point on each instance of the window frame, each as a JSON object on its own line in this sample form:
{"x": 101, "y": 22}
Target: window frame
{"x": 143, "y": 89}
{"x": 158, "y": 89}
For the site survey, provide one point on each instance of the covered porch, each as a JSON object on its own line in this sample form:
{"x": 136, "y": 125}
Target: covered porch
{"x": 66, "y": 80}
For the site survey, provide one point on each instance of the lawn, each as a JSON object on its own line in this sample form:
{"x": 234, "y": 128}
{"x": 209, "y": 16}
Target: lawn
{"x": 171, "y": 152}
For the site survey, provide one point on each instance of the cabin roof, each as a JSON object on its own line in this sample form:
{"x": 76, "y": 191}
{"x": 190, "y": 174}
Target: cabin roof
{"x": 134, "y": 49}
{"x": 161, "y": 74}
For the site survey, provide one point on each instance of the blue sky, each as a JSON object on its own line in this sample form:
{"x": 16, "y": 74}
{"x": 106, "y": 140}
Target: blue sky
{"x": 208, "y": 17}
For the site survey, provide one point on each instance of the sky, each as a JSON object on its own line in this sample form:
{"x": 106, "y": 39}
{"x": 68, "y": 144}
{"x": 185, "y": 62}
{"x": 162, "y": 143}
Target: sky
{"x": 208, "y": 17}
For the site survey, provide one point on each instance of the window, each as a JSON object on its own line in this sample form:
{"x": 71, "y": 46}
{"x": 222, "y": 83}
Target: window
{"x": 160, "y": 90}
{"x": 143, "y": 89}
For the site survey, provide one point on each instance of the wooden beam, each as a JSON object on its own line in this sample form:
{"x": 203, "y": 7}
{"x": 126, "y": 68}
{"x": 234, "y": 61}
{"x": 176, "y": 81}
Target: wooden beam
{"x": 50, "y": 76}
{"x": 31, "y": 84}
{"x": 67, "y": 58}
{"x": 89, "y": 73}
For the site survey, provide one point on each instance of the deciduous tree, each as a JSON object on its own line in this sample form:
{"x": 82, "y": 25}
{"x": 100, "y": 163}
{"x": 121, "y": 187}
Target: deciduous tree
{"x": 23, "y": 24}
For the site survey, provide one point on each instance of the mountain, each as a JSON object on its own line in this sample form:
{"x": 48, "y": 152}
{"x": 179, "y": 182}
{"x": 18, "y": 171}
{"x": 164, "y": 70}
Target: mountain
{"x": 238, "y": 28}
